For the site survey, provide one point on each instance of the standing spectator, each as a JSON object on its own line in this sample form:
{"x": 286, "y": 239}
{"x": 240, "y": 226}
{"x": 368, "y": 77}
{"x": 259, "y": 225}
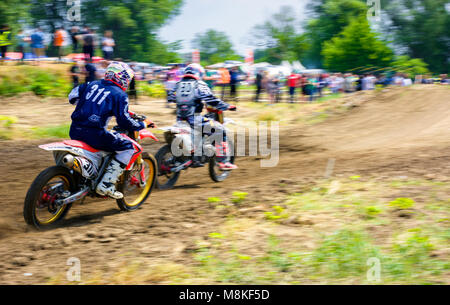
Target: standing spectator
{"x": 359, "y": 83}
{"x": 368, "y": 82}
{"x": 37, "y": 44}
{"x": 108, "y": 45}
{"x": 365, "y": 82}
{"x": 406, "y": 81}
{"x": 132, "y": 92}
{"x": 170, "y": 83}
{"x": 293, "y": 83}
{"x": 89, "y": 45}
{"x": 5, "y": 40}
{"x": 90, "y": 72}
{"x": 210, "y": 79}
{"x": 58, "y": 40}
{"x": 234, "y": 81}
{"x": 22, "y": 43}
{"x": 224, "y": 81}
{"x": 398, "y": 79}
{"x": 340, "y": 80}
{"x": 273, "y": 89}
{"x": 179, "y": 73}
{"x": 74, "y": 32}
{"x": 280, "y": 84}
{"x": 321, "y": 84}
{"x": 75, "y": 74}
{"x": 348, "y": 83}
{"x": 310, "y": 87}
{"x": 259, "y": 84}
{"x": 333, "y": 84}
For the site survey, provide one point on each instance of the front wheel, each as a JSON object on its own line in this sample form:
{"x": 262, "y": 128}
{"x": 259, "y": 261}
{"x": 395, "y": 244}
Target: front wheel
{"x": 214, "y": 172}
{"x": 137, "y": 183}
{"x": 40, "y": 208}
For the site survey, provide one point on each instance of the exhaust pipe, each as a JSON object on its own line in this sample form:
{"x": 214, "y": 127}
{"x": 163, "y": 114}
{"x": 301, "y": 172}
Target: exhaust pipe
{"x": 68, "y": 160}
{"x": 80, "y": 165}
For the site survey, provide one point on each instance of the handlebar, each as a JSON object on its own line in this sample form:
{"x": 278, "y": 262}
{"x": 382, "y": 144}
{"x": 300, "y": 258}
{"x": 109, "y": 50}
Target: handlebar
{"x": 138, "y": 117}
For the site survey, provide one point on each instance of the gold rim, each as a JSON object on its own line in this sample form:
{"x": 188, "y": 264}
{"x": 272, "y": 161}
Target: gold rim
{"x": 61, "y": 209}
{"x": 148, "y": 185}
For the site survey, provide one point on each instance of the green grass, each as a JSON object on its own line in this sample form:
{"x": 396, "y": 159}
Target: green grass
{"x": 238, "y": 197}
{"x": 402, "y": 203}
{"x": 344, "y": 226}
{"x": 154, "y": 90}
{"x": 20, "y": 79}
{"x": 342, "y": 252}
{"x": 6, "y": 127}
{"x": 59, "y": 131}
{"x": 267, "y": 117}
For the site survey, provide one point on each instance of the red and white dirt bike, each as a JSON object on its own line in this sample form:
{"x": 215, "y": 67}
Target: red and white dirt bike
{"x": 79, "y": 168}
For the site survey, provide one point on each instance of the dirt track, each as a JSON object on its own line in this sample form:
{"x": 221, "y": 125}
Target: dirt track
{"x": 402, "y": 132}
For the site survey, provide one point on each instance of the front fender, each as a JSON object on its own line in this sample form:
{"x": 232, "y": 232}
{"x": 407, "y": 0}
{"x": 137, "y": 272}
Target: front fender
{"x": 144, "y": 133}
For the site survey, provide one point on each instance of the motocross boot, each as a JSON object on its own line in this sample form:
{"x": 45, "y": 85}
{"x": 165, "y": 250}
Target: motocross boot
{"x": 107, "y": 186}
{"x": 197, "y": 162}
{"x": 222, "y": 159}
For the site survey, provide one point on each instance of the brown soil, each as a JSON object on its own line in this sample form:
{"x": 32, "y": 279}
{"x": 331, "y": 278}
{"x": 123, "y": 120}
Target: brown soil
{"x": 401, "y": 132}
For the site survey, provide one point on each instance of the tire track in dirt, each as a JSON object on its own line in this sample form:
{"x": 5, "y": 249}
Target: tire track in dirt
{"x": 372, "y": 139}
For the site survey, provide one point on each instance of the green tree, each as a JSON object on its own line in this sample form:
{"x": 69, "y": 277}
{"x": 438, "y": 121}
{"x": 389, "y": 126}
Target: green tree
{"x": 49, "y": 13}
{"x": 356, "y": 46}
{"x": 423, "y": 27}
{"x": 412, "y": 67}
{"x": 134, "y": 23}
{"x": 14, "y": 13}
{"x": 329, "y": 18}
{"x": 279, "y": 38}
{"x": 214, "y": 46}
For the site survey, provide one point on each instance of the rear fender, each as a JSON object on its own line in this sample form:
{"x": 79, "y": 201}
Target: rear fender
{"x": 59, "y": 149}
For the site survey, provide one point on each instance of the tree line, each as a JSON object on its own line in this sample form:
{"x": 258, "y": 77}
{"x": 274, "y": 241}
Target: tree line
{"x": 411, "y": 36}
{"x": 337, "y": 35}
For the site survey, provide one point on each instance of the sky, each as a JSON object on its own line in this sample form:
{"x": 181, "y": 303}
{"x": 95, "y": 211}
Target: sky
{"x": 234, "y": 17}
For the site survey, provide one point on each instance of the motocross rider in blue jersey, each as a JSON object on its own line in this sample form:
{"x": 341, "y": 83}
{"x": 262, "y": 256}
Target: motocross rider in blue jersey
{"x": 96, "y": 103}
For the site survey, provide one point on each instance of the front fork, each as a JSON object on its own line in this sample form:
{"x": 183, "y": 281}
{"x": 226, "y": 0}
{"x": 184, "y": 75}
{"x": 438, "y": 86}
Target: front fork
{"x": 140, "y": 163}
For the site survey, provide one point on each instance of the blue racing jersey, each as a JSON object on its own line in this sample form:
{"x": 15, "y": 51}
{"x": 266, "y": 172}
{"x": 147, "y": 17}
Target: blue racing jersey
{"x": 97, "y": 102}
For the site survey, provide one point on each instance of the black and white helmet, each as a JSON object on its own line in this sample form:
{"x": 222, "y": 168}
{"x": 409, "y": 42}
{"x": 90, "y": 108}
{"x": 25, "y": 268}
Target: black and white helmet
{"x": 195, "y": 70}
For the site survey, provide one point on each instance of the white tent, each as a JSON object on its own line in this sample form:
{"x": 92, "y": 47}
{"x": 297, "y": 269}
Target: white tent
{"x": 279, "y": 70}
{"x": 216, "y": 66}
{"x": 296, "y": 65}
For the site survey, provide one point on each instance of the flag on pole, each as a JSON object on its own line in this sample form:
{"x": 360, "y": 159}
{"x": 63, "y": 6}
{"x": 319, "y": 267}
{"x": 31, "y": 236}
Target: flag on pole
{"x": 196, "y": 56}
{"x": 249, "y": 57}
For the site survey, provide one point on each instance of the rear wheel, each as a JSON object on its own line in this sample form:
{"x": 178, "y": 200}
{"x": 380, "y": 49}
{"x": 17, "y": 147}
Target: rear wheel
{"x": 40, "y": 209}
{"x": 166, "y": 160}
{"x": 215, "y": 173}
{"x": 137, "y": 184}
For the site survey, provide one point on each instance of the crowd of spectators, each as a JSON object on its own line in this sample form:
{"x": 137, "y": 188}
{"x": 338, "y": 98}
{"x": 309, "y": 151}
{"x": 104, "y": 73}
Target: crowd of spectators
{"x": 36, "y": 44}
{"x": 308, "y": 87}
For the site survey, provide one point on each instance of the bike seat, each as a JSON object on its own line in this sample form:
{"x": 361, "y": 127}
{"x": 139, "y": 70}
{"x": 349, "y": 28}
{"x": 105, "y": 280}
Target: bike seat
{"x": 80, "y": 144}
